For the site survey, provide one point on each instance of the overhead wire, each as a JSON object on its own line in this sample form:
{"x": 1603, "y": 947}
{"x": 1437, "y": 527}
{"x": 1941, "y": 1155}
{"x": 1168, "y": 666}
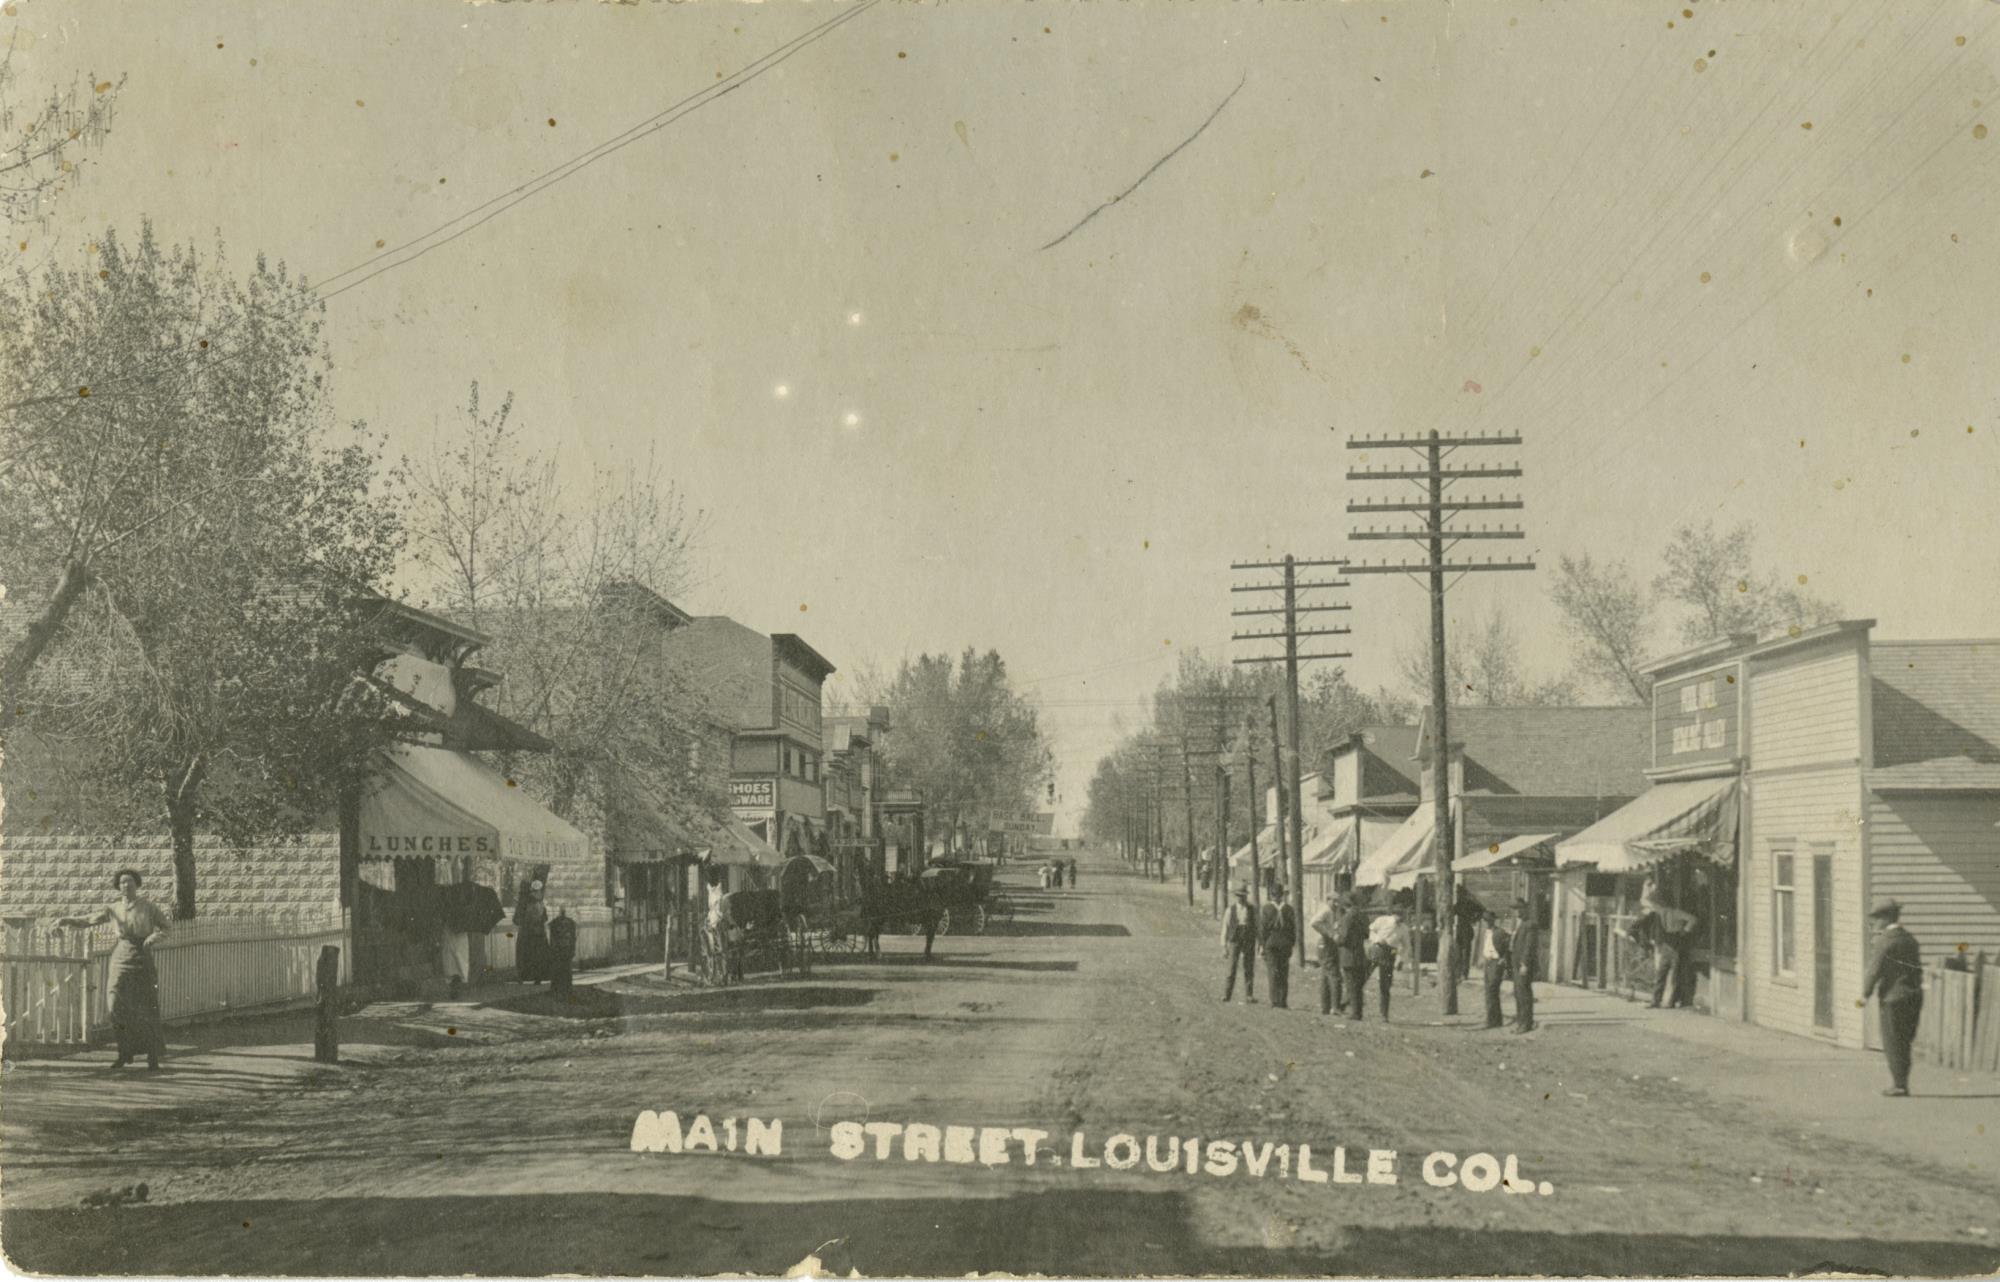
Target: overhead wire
{"x": 398, "y": 256}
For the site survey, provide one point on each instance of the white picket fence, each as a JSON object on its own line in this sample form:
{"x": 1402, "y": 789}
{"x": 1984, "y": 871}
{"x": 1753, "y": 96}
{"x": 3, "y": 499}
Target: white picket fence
{"x": 56, "y": 984}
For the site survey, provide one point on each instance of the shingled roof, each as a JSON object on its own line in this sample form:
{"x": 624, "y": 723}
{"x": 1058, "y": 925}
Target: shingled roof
{"x": 1551, "y": 752}
{"x": 1936, "y": 702}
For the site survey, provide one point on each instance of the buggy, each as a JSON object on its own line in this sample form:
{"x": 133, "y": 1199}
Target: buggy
{"x": 750, "y": 933}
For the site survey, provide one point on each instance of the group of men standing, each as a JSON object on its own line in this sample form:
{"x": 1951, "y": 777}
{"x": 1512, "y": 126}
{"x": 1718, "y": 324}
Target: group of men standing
{"x": 1357, "y": 940}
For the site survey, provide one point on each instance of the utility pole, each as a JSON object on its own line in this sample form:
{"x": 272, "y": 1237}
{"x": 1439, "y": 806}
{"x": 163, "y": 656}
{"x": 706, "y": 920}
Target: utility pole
{"x": 1213, "y": 713}
{"x": 1438, "y": 537}
{"x": 1256, "y": 871}
{"x": 1278, "y": 784}
{"x": 1187, "y": 796}
{"x": 1293, "y": 773}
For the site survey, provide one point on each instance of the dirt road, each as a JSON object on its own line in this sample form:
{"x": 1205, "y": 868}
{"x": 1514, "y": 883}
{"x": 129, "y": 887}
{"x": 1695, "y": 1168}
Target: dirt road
{"x": 506, "y": 1146}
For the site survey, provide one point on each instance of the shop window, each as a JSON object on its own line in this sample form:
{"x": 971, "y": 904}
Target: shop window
{"x": 1784, "y": 914}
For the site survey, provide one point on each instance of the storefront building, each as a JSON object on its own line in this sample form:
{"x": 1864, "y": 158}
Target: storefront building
{"x": 1366, "y": 793}
{"x": 439, "y": 842}
{"x": 1520, "y": 780}
{"x": 1796, "y": 780}
{"x": 767, "y": 690}
{"x": 855, "y": 847}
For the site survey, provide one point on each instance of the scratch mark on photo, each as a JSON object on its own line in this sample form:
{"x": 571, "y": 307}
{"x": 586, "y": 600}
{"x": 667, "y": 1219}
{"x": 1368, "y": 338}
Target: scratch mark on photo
{"x": 1155, "y": 167}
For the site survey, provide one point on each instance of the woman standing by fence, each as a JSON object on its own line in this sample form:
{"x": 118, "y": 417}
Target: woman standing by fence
{"x": 135, "y": 984}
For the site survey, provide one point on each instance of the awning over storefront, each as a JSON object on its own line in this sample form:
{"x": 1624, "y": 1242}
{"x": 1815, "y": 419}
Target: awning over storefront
{"x": 1332, "y": 849}
{"x": 817, "y": 864}
{"x": 1267, "y": 841}
{"x": 1693, "y": 816}
{"x": 735, "y": 846}
{"x": 1522, "y": 849}
{"x": 1407, "y": 853}
{"x": 435, "y": 801}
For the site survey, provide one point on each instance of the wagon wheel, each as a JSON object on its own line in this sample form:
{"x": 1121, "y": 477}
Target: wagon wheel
{"x": 944, "y": 921}
{"x": 971, "y": 920}
{"x": 914, "y": 926}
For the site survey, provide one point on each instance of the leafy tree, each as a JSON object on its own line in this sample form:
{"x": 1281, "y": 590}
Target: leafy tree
{"x": 572, "y": 583}
{"x": 1483, "y": 667}
{"x": 1608, "y": 616}
{"x": 49, "y": 142}
{"x": 1711, "y": 577}
{"x": 212, "y": 525}
{"x": 961, "y": 733}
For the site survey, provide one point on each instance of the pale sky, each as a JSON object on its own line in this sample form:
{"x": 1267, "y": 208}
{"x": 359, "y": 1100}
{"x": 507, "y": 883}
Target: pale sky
{"x": 1605, "y": 226}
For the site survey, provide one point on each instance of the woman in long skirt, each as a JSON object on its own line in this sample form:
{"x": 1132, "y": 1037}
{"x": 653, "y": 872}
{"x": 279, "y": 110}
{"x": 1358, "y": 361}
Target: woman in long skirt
{"x": 135, "y": 984}
{"x": 531, "y": 936}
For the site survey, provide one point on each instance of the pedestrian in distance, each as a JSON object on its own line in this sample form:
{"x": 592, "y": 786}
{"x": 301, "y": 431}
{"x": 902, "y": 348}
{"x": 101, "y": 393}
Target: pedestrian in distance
{"x": 1466, "y": 914}
{"x": 1239, "y": 945}
{"x": 135, "y": 984}
{"x": 932, "y": 911}
{"x": 1523, "y": 948}
{"x": 1896, "y": 979}
{"x": 1072, "y": 874}
{"x": 531, "y": 935}
{"x": 1388, "y": 938}
{"x": 1351, "y": 934}
{"x": 1279, "y": 934}
{"x": 871, "y": 913}
{"x": 1324, "y": 926}
{"x": 1490, "y": 944}
{"x": 562, "y": 952}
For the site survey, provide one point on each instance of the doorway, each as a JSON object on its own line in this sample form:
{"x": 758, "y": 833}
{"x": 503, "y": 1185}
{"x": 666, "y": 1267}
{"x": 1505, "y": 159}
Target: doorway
{"x": 1822, "y": 901}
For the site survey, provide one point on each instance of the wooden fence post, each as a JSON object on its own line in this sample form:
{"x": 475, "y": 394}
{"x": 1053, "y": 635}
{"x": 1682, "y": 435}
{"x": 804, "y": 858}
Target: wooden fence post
{"x": 326, "y": 1030}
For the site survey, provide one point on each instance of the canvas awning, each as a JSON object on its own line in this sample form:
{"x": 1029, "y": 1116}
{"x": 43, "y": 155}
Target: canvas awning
{"x": 436, "y": 801}
{"x": 1503, "y": 851}
{"x": 1267, "y": 841}
{"x": 737, "y": 847}
{"x": 1332, "y": 850}
{"x": 818, "y": 865}
{"x": 1693, "y": 816}
{"x": 1407, "y": 853}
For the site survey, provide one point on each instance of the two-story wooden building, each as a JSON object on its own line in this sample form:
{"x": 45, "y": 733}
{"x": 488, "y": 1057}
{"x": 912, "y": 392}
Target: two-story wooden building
{"x": 1795, "y": 780}
{"x": 767, "y": 689}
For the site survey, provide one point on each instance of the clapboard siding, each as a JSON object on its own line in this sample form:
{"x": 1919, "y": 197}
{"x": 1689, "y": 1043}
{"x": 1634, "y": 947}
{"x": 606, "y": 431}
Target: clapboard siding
{"x": 1941, "y": 857}
{"x": 1811, "y": 809}
{"x": 1806, "y": 708}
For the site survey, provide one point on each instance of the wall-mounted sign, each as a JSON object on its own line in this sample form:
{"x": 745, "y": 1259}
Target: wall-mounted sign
{"x": 1695, "y": 719}
{"x": 753, "y": 794}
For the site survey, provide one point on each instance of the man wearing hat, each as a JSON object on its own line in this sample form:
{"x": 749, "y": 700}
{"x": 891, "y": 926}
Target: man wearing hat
{"x": 1524, "y": 949}
{"x": 1896, "y": 976}
{"x": 1239, "y": 945}
{"x": 1279, "y": 934}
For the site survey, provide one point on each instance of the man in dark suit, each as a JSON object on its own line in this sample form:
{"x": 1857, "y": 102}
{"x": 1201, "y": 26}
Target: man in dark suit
{"x": 1278, "y": 933}
{"x": 1489, "y": 950}
{"x": 1896, "y": 976}
{"x": 1523, "y": 949}
{"x": 1351, "y": 946}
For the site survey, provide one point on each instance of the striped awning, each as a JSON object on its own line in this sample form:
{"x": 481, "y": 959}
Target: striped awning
{"x": 1696, "y": 816}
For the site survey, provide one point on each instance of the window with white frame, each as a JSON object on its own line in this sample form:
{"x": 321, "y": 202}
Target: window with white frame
{"x": 1784, "y": 911}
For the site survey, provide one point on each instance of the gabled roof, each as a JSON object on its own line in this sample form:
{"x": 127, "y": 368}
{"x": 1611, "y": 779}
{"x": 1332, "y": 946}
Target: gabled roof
{"x": 1551, "y": 751}
{"x": 1389, "y": 769}
{"x": 1934, "y": 701}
